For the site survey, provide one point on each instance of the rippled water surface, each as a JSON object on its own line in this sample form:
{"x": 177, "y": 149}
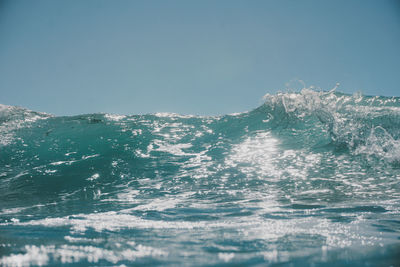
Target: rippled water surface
{"x": 306, "y": 178}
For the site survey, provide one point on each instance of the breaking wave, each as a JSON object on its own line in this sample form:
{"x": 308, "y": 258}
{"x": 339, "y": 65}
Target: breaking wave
{"x": 307, "y": 177}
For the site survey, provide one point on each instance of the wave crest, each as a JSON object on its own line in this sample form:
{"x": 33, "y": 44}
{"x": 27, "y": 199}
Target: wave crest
{"x": 364, "y": 124}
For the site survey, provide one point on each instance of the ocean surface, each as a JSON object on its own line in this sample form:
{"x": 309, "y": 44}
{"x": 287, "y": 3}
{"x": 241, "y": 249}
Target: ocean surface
{"x": 306, "y": 179}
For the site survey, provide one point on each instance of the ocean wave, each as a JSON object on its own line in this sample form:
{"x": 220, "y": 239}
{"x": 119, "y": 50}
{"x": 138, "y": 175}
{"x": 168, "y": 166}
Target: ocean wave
{"x": 307, "y": 176}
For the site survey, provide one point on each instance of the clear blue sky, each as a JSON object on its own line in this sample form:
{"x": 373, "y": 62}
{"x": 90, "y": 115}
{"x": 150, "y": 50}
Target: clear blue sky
{"x": 191, "y": 57}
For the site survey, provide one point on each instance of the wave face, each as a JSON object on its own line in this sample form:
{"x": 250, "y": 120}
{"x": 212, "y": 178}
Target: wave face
{"x": 306, "y": 178}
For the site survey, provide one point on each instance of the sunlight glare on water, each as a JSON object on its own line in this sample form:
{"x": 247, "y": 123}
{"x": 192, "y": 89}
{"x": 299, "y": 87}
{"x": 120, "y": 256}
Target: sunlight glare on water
{"x": 306, "y": 178}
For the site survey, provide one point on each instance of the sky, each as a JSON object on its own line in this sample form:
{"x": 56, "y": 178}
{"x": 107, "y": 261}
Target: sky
{"x": 191, "y": 57}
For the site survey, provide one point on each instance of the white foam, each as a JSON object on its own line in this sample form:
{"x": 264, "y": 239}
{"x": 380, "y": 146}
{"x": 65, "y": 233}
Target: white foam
{"x": 346, "y": 118}
{"x": 90, "y": 156}
{"x": 43, "y": 255}
{"x": 174, "y": 149}
{"x": 174, "y": 115}
{"x": 336, "y": 234}
{"x": 114, "y": 117}
{"x": 82, "y": 239}
{"x": 66, "y": 162}
{"x": 11, "y": 211}
{"x": 380, "y": 143}
{"x": 226, "y": 257}
{"x": 33, "y": 256}
{"x": 93, "y": 177}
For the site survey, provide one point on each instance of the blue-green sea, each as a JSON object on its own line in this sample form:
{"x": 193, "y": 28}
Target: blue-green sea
{"x": 308, "y": 178}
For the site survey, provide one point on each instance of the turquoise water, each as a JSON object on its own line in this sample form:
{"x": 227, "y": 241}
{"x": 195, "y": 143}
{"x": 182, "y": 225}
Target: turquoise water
{"x": 308, "y": 178}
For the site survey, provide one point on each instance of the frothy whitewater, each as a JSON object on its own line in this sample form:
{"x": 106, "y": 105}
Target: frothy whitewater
{"x": 306, "y": 178}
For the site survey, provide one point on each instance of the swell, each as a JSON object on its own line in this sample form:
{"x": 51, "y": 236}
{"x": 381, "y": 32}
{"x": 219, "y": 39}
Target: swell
{"x": 305, "y": 174}
{"x": 349, "y": 120}
{"x": 43, "y": 158}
